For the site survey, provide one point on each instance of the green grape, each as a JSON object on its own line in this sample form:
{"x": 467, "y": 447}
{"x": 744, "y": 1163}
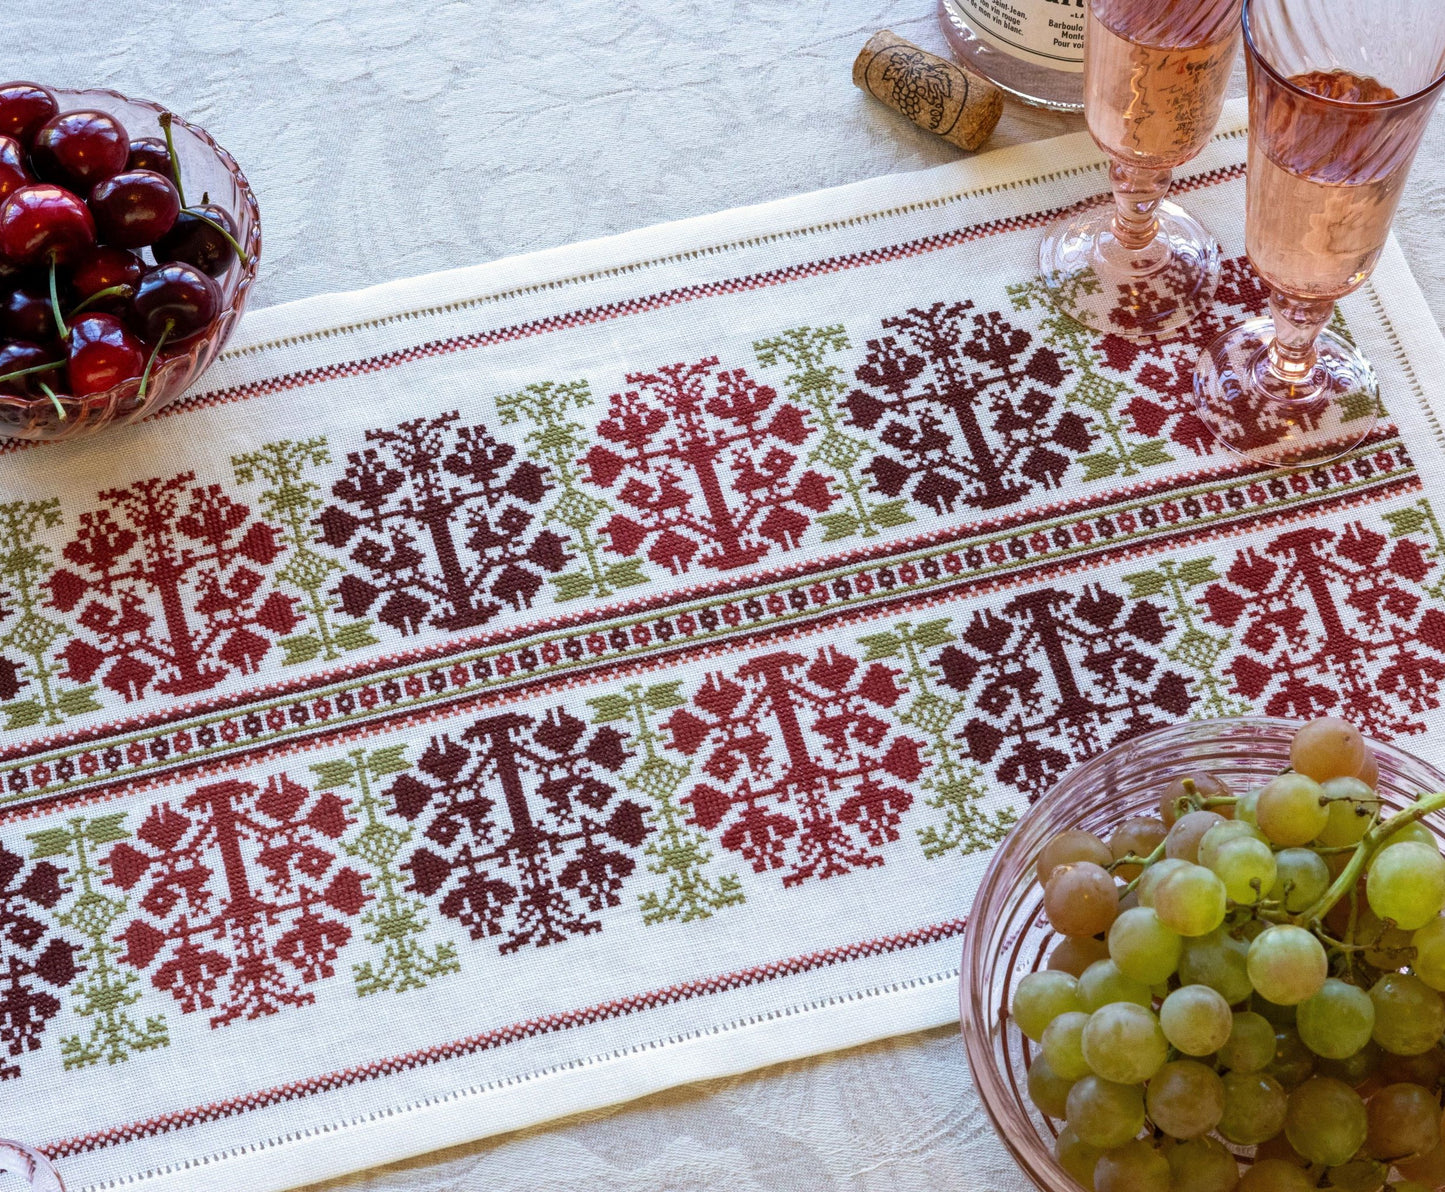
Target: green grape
{"x": 1278, "y": 1015}
{"x": 1338, "y": 1021}
{"x": 1247, "y": 809}
{"x": 1136, "y": 837}
{"x": 1250, "y": 1046}
{"x": 1407, "y": 884}
{"x": 1153, "y": 875}
{"x": 1103, "y": 983}
{"x": 1293, "y": 1062}
{"x": 1106, "y": 1115}
{"x": 1124, "y": 1043}
{"x": 1134, "y": 1167}
{"x": 1429, "y": 945}
{"x": 1385, "y": 947}
{"x": 1275, "y": 1175}
{"x": 1081, "y": 899}
{"x": 1175, "y": 801}
{"x": 1182, "y": 843}
{"x": 1326, "y": 1121}
{"x": 1287, "y": 964}
{"x": 1047, "y": 1089}
{"x": 1327, "y": 747}
{"x": 1411, "y": 833}
{"x": 1254, "y": 1107}
{"x": 1202, "y": 1165}
{"x": 1220, "y": 835}
{"x": 1409, "y": 1186}
{"x": 1143, "y": 947}
{"x": 1291, "y": 810}
{"x": 1355, "y": 1069}
{"x": 1185, "y": 1099}
{"x": 1063, "y": 1045}
{"x": 1246, "y": 867}
{"x": 1409, "y": 1015}
{"x": 1190, "y": 901}
{"x": 1352, "y": 805}
{"x": 1070, "y": 845}
{"x": 1041, "y": 997}
{"x": 1196, "y": 1020}
{"x": 1074, "y": 953}
{"x": 1076, "y": 1157}
{"x": 1404, "y": 1120}
{"x": 1358, "y": 1175}
{"x": 1217, "y": 960}
{"x": 1304, "y": 874}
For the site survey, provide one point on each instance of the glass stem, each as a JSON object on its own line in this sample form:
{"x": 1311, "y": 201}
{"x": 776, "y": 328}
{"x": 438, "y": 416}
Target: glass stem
{"x": 1137, "y": 194}
{"x": 1297, "y": 324}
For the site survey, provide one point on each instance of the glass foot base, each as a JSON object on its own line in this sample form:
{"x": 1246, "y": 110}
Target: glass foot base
{"x": 1263, "y": 418}
{"x": 1130, "y": 292}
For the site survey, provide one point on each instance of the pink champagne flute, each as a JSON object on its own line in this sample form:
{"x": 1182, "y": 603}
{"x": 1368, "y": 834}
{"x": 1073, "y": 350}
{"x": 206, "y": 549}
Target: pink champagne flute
{"x": 1340, "y": 92}
{"x": 1155, "y": 75}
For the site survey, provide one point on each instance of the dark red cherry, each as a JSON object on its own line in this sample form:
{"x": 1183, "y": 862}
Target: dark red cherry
{"x": 18, "y": 355}
{"x": 79, "y": 149}
{"x": 134, "y": 207}
{"x": 102, "y": 354}
{"x": 24, "y": 107}
{"x": 104, "y": 268}
{"x": 42, "y": 220}
{"x": 13, "y": 172}
{"x": 26, "y": 313}
{"x": 177, "y": 296}
{"x": 196, "y": 242}
{"x": 149, "y": 153}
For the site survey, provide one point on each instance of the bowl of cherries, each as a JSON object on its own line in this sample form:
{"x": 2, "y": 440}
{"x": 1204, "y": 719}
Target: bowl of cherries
{"x": 128, "y": 243}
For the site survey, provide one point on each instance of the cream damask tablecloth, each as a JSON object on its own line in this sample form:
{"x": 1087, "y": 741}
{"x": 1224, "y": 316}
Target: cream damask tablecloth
{"x": 389, "y": 138}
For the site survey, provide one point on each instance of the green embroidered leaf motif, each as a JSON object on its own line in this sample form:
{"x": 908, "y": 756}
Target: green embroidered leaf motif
{"x": 104, "y": 829}
{"x": 333, "y": 773}
{"x": 626, "y": 574}
{"x": 24, "y": 713}
{"x": 1099, "y": 465}
{"x": 354, "y": 635}
{"x": 881, "y": 645}
{"x": 573, "y": 585}
{"x": 661, "y": 696}
{"x": 50, "y": 842}
{"x": 1197, "y": 571}
{"x": 1148, "y": 454}
{"x": 303, "y": 647}
{"x": 1146, "y": 583}
{"x": 932, "y": 633}
{"x": 838, "y": 525}
{"x": 1356, "y": 404}
{"x": 77, "y": 700}
{"x": 610, "y": 707}
{"x": 391, "y": 759}
{"x": 1410, "y": 520}
{"x": 891, "y": 513}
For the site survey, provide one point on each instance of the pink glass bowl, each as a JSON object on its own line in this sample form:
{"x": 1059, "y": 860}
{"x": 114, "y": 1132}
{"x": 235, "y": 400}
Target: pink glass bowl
{"x": 206, "y": 169}
{"x": 1008, "y": 936}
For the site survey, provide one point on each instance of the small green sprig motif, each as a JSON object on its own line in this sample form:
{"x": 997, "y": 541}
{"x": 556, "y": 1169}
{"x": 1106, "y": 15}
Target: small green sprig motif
{"x": 956, "y": 786}
{"x": 818, "y": 385}
{"x": 556, "y": 441}
{"x": 1416, "y": 519}
{"x": 678, "y": 852}
{"x": 106, "y": 992}
{"x": 24, "y": 565}
{"x": 292, "y": 500}
{"x": 395, "y": 919}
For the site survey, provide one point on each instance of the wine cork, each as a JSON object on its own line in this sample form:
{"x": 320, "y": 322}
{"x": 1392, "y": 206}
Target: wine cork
{"x": 934, "y": 93}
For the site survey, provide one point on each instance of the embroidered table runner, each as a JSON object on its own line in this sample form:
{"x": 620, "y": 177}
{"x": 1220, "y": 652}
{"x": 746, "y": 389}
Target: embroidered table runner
{"x": 521, "y": 689}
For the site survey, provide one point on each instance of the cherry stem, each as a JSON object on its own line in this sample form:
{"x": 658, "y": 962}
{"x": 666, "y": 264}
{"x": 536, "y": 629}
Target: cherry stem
{"x": 25, "y": 372}
{"x": 165, "y": 121}
{"x": 155, "y": 351}
{"x": 54, "y": 401}
{"x": 240, "y": 252}
{"x": 55, "y": 303}
{"x": 108, "y": 292}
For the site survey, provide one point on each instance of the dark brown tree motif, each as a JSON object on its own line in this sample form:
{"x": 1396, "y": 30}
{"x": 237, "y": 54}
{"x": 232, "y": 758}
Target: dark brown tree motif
{"x": 801, "y": 771}
{"x": 440, "y": 517}
{"x": 968, "y": 408}
{"x": 1334, "y": 622}
{"x": 538, "y": 866}
{"x": 1053, "y": 677}
{"x": 707, "y": 464}
{"x": 31, "y": 956}
{"x": 171, "y": 599}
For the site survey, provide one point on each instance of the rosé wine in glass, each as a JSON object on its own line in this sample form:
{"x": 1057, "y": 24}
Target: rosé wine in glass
{"x": 1155, "y": 75}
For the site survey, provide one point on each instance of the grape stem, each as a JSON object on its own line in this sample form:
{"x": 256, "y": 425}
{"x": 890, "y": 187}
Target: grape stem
{"x": 1374, "y": 840}
{"x": 1131, "y": 859}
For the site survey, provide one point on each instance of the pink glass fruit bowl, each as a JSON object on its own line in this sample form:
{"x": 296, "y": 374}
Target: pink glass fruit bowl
{"x": 1008, "y": 936}
{"x": 206, "y": 168}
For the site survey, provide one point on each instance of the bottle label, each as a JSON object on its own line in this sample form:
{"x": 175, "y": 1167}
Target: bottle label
{"x": 1044, "y": 32}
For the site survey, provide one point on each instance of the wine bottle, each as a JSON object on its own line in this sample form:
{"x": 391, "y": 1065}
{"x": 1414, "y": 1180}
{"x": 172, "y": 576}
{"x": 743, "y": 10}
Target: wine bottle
{"x": 1032, "y": 49}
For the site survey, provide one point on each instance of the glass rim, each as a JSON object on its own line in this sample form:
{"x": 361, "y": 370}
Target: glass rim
{"x": 1253, "y": 50}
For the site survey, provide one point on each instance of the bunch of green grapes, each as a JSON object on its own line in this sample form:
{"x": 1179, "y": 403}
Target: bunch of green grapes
{"x": 1251, "y": 976}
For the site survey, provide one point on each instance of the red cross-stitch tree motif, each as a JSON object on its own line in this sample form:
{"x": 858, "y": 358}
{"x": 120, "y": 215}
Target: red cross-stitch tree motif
{"x": 1053, "y": 677}
{"x": 968, "y": 408}
{"x": 1334, "y": 622}
{"x": 30, "y": 956}
{"x": 536, "y": 867}
{"x": 169, "y": 598}
{"x": 801, "y": 769}
{"x": 707, "y": 464}
{"x": 242, "y": 882}
{"x": 439, "y": 516}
